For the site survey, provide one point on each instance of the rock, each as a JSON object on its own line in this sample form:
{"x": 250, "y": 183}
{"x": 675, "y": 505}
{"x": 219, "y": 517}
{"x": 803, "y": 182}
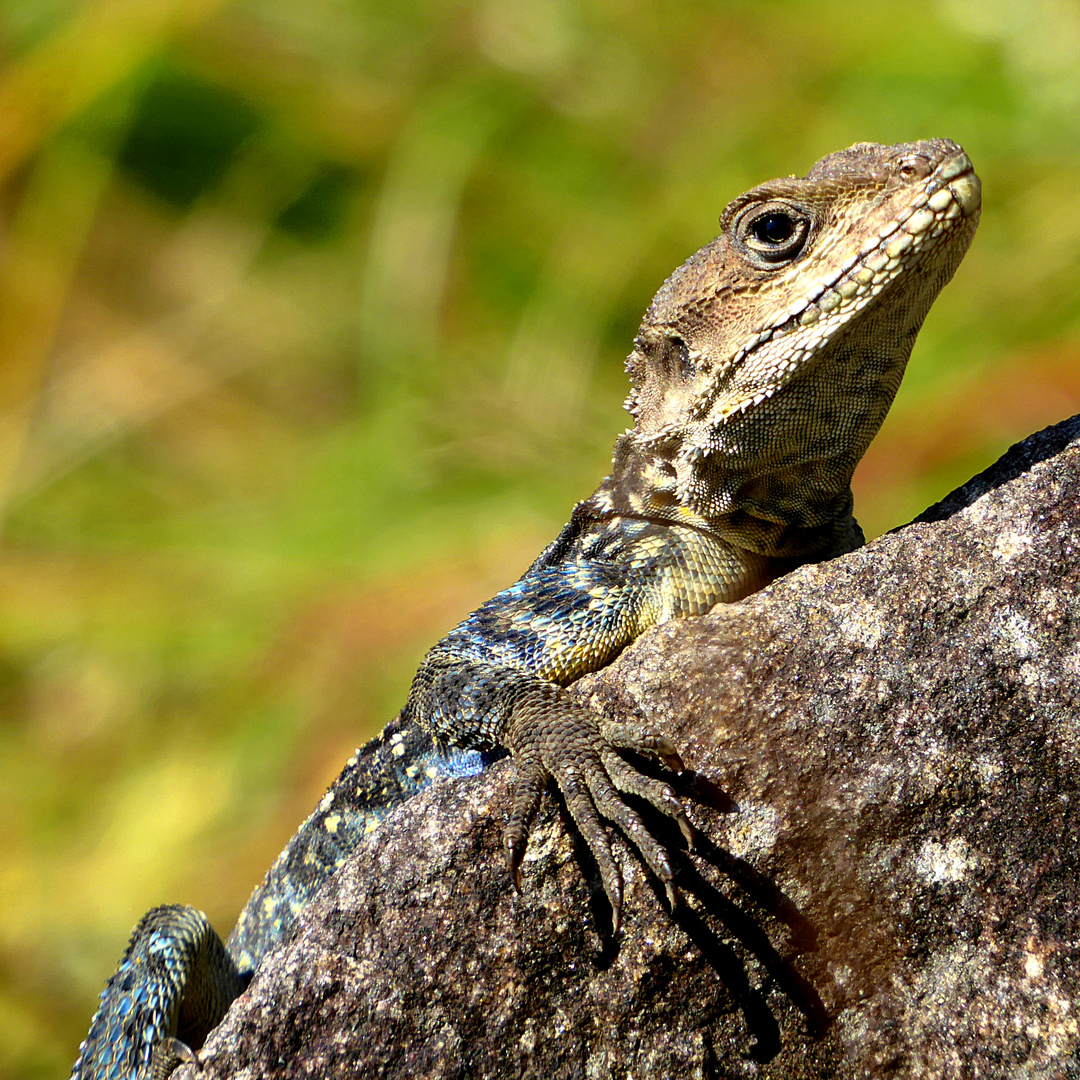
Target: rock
{"x": 886, "y": 880}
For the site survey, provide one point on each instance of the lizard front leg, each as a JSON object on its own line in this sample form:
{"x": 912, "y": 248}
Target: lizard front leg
{"x": 550, "y": 735}
{"x": 498, "y": 678}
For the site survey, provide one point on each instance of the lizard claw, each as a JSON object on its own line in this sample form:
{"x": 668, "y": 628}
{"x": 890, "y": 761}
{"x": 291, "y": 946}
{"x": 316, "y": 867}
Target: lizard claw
{"x": 515, "y": 852}
{"x": 686, "y": 829}
{"x": 667, "y": 753}
{"x": 674, "y": 897}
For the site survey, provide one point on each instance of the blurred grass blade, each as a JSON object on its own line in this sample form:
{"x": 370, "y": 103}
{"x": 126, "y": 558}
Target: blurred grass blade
{"x": 46, "y": 239}
{"x": 94, "y": 51}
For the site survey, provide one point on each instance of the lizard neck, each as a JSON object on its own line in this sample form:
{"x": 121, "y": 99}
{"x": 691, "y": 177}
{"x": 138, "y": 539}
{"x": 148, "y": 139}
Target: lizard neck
{"x": 719, "y": 495}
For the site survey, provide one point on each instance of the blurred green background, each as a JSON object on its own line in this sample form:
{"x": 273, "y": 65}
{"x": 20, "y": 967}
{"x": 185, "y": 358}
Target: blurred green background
{"x": 312, "y": 316}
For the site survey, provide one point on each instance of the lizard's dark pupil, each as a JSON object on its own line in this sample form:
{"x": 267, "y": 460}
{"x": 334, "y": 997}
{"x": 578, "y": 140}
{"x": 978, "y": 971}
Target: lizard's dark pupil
{"x": 774, "y": 228}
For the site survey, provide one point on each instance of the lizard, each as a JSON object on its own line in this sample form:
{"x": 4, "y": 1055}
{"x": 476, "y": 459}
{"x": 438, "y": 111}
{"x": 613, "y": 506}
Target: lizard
{"x": 763, "y": 368}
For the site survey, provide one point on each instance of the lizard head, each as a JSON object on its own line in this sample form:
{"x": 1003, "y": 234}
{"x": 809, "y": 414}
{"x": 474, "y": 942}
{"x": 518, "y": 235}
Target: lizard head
{"x": 766, "y": 363}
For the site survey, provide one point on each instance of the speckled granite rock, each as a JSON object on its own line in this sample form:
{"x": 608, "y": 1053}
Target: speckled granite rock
{"x": 887, "y": 880}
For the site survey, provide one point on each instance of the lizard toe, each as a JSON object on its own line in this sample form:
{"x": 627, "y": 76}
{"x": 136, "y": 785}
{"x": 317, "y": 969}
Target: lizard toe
{"x": 655, "y": 792}
{"x": 610, "y": 803}
{"x": 580, "y": 792}
{"x": 532, "y": 778}
{"x": 642, "y": 740}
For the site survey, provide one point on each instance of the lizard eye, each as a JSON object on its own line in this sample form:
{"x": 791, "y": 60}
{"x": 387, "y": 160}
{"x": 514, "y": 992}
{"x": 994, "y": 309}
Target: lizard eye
{"x": 772, "y": 233}
{"x": 773, "y": 229}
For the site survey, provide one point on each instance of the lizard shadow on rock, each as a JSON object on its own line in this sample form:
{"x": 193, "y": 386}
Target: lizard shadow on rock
{"x": 716, "y": 907}
{"x": 748, "y": 929}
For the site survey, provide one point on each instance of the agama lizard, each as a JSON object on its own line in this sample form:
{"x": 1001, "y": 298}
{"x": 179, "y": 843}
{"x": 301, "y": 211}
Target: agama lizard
{"x": 763, "y": 368}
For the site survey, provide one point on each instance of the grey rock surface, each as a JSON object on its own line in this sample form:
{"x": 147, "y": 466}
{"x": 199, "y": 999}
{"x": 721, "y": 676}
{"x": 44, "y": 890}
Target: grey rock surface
{"x": 886, "y": 883}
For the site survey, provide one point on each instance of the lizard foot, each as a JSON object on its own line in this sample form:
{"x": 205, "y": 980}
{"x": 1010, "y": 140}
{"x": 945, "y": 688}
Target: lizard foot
{"x": 169, "y": 1055}
{"x": 550, "y": 735}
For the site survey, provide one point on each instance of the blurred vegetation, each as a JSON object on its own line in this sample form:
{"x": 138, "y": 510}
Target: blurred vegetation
{"x": 311, "y": 325}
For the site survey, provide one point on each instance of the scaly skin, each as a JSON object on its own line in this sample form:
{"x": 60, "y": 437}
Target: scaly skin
{"x": 763, "y": 368}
